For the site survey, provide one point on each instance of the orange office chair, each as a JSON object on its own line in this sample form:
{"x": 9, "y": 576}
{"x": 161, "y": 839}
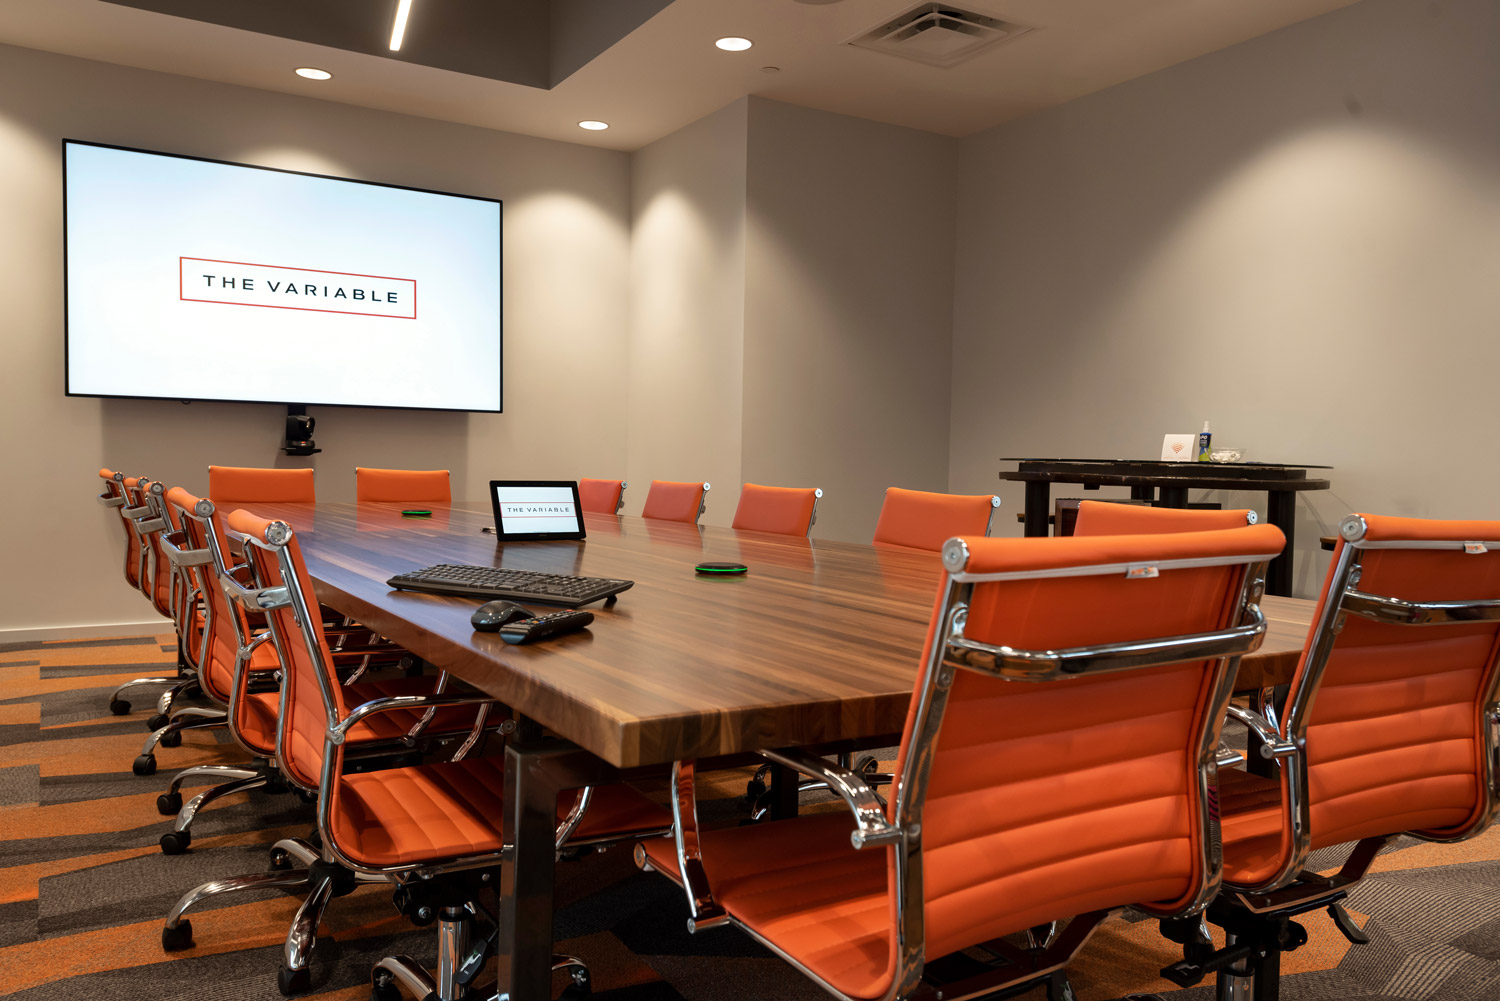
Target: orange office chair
{"x": 432, "y": 830}
{"x": 402, "y": 486}
{"x": 230, "y": 486}
{"x": 238, "y": 675}
{"x": 1058, "y": 763}
{"x": 916, "y": 519}
{"x": 668, "y": 500}
{"x": 1104, "y": 518}
{"x": 1389, "y": 727}
{"x": 602, "y": 496}
{"x": 123, "y": 495}
{"x": 781, "y": 510}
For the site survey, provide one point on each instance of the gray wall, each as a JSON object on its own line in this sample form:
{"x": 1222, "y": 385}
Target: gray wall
{"x": 1297, "y": 238}
{"x": 687, "y": 326}
{"x": 848, "y": 311}
{"x": 566, "y": 290}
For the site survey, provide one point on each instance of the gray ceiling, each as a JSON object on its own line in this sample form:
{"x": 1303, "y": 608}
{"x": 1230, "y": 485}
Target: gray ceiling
{"x": 537, "y": 43}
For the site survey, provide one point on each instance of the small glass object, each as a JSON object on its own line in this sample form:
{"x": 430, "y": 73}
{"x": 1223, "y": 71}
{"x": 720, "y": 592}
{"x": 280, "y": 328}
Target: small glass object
{"x": 1226, "y": 454}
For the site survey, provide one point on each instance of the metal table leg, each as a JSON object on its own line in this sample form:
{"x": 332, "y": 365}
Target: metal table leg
{"x": 1282, "y": 512}
{"x": 535, "y": 772}
{"x": 1038, "y": 507}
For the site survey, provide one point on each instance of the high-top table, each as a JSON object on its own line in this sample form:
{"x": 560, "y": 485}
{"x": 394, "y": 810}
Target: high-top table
{"x": 818, "y": 646}
{"x": 1281, "y": 483}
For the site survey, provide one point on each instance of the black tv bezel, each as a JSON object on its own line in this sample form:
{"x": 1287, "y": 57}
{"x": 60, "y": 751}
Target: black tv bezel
{"x": 500, "y": 534}
{"x": 499, "y": 280}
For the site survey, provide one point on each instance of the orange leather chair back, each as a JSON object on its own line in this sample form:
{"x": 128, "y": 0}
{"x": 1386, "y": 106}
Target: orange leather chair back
{"x": 671, "y": 501}
{"x": 782, "y": 510}
{"x": 232, "y": 485}
{"x": 1104, "y": 518}
{"x": 600, "y": 496}
{"x": 1395, "y": 738}
{"x": 402, "y": 486}
{"x": 306, "y": 719}
{"x": 1048, "y": 800}
{"x": 917, "y": 519}
{"x": 114, "y": 488}
{"x": 217, "y": 675}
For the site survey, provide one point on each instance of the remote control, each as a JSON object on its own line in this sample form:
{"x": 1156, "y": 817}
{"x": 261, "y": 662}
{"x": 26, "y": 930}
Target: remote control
{"x": 555, "y": 624}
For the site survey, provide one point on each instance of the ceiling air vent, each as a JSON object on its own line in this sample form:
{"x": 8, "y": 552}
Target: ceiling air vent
{"x": 938, "y": 34}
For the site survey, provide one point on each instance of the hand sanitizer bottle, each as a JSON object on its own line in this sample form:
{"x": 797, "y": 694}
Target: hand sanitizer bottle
{"x": 1204, "y": 437}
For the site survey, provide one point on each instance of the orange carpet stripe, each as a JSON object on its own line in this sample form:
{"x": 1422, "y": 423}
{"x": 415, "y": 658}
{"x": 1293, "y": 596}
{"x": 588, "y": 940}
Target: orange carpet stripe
{"x": 21, "y": 714}
{"x": 27, "y": 682}
{"x": 93, "y": 816}
{"x": 91, "y": 755}
{"x": 230, "y": 929}
{"x": 21, "y": 882}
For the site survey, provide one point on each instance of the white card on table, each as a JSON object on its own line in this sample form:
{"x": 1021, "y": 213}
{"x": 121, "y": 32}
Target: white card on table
{"x": 1179, "y": 447}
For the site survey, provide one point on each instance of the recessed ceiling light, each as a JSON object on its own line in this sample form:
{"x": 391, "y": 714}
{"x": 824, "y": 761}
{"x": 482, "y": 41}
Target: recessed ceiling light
{"x": 313, "y": 73}
{"x": 734, "y": 43}
{"x": 398, "y": 27}
{"x": 594, "y": 126}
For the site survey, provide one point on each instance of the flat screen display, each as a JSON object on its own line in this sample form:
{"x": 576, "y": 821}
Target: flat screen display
{"x": 193, "y": 279}
{"x": 536, "y": 509}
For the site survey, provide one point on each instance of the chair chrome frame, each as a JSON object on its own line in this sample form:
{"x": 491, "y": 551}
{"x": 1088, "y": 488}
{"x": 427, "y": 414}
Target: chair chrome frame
{"x": 138, "y": 515}
{"x": 325, "y": 868}
{"x": 620, "y": 501}
{"x": 1284, "y": 742}
{"x": 989, "y": 526}
{"x": 453, "y": 922}
{"x": 1256, "y": 915}
{"x": 903, "y": 834}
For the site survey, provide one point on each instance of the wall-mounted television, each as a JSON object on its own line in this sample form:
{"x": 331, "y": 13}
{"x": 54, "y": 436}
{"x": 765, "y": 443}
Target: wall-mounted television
{"x": 195, "y": 279}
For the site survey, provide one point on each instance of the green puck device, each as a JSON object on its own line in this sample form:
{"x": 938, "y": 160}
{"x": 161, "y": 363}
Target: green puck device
{"x": 416, "y": 513}
{"x": 722, "y": 569}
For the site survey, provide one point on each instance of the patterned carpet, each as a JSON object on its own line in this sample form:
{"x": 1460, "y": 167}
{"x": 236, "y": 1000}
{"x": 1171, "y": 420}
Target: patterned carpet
{"x": 84, "y": 887}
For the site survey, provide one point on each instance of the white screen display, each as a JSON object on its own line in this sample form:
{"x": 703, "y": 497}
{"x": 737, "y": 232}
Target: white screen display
{"x": 529, "y": 510}
{"x": 195, "y": 280}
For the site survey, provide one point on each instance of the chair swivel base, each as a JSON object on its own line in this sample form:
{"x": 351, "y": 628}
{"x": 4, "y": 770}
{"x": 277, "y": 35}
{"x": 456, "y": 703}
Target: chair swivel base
{"x": 324, "y": 880}
{"x": 260, "y": 775}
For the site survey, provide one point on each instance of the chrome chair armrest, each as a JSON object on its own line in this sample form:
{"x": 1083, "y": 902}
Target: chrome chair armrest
{"x": 255, "y": 598}
{"x": 1272, "y": 743}
{"x": 111, "y": 501}
{"x": 340, "y": 732}
{"x": 871, "y": 826}
{"x": 1228, "y": 757}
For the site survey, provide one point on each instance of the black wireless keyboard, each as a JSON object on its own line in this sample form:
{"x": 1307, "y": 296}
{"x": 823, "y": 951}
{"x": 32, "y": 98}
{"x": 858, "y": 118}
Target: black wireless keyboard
{"x": 517, "y": 585}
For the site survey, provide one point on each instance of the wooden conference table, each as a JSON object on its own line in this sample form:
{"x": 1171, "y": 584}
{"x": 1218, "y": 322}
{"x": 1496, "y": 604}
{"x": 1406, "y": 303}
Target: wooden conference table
{"x": 817, "y": 646}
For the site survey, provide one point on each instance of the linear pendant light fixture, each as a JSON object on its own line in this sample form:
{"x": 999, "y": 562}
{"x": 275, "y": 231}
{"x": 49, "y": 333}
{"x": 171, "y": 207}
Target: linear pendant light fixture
{"x": 398, "y": 29}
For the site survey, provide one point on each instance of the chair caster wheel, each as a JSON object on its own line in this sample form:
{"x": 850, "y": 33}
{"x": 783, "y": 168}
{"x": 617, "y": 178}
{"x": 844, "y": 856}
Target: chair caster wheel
{"x": 384, "y": 988}
{"x": 157, "y": 721}
{"x": 179, "y": 938}
{"x": 175, "y": 842}
{"x": 144, "y": 764}
{"x": 119, "y": 707}
{"x": 168, "y": 803}
{"x": 293, "y": 982}
{"x": 171, "y": 739}
{"x": 579, "y": 988}
{"x": 280, "y": 861}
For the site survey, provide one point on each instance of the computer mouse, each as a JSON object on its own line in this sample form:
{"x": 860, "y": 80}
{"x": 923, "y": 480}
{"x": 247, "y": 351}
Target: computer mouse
{"x": 491, "y": 615}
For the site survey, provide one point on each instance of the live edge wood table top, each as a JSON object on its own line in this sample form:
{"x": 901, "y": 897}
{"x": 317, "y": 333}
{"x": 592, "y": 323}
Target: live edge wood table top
{"x": 818, "y": 644}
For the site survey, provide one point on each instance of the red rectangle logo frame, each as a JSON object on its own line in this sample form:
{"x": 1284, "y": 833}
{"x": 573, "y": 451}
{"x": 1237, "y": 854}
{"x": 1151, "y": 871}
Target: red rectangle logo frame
{"x": 182, "y": 296}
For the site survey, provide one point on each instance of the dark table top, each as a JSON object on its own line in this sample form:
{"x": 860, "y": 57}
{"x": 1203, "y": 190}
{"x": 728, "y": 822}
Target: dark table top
{"x": 1145, "y": 472}
{"x": 818, "y": 644}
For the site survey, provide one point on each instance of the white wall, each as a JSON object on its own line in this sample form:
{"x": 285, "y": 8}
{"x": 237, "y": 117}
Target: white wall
{"x": 1297, "y": 238}
{"x": 848, "y": 311}
{"x": 687, "y": 326}
{"x": 566, "y": 269}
